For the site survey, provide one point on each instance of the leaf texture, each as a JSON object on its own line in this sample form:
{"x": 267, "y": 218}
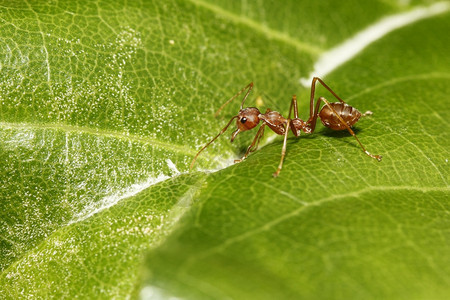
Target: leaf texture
{"x": 104, "y": 104}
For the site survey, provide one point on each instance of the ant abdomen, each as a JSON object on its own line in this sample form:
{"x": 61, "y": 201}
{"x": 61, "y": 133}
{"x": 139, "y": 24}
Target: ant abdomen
{"x": 349, "y": 114}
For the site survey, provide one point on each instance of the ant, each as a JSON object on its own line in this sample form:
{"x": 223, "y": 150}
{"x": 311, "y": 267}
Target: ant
{"x": 335, "y": 115}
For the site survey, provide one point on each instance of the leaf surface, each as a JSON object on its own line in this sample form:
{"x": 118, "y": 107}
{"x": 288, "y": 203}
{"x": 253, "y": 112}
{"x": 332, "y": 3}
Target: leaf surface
{"x": 103, "y": 105}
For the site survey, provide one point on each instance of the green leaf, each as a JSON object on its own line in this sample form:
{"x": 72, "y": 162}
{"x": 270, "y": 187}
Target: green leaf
{"x": 104, "y": 105}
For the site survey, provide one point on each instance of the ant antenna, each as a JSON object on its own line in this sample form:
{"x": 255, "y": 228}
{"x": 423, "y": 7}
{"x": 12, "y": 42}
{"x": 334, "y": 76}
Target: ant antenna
{"x": 220, "y": 133}
{"x": 249, "y": 87}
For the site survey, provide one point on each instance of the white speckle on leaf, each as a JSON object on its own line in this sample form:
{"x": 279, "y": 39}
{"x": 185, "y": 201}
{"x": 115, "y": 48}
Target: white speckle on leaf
{"x": 113, "y": 199}
{"x": 172, "y": 166}
{"x": 23, "y": 139}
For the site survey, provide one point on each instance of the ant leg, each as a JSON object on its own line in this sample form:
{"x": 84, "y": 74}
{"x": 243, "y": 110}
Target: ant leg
{"x": 254, "y": 145}
{"x": 313, "y": 114}
{"x": 249, "y": 87}
{"x": 283, "y": 150}
{"x": 312, "y": 121}
{"x": 313, "y": 85}
{"x": 293, "y": 105}
{"x": 204, "y": 147}
{"x": 377, "y": 157}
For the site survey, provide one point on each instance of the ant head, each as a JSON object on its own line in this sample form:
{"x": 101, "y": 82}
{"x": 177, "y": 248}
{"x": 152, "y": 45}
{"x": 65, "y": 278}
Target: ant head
{"x": 247, "y": 119}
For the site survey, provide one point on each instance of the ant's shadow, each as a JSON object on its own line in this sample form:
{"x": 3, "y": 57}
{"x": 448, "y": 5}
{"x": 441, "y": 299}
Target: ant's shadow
{"x": 337, "y": 134}
{"x": 322, "y": 132}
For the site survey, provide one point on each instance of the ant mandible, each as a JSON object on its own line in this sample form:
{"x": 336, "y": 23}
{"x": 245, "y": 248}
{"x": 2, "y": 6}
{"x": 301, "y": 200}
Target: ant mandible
{"x": 335, "y": 115}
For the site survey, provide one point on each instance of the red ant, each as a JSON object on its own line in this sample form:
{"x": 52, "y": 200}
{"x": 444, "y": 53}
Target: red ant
{"x": 336, "y": 115}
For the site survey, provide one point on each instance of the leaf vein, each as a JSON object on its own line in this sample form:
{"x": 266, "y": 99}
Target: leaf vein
{"x": 298, "y": 211}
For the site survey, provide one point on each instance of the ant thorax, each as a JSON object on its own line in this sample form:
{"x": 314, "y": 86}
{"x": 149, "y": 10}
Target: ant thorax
{"x": 275, "y": 121}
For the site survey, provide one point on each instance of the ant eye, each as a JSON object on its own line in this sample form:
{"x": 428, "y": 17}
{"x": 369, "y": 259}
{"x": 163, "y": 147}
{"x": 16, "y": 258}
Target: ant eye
{"x": 243, "y": 120}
